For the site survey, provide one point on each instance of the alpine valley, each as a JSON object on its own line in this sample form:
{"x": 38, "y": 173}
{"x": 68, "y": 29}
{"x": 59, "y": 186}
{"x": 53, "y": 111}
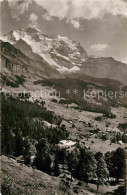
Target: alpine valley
{"x": 64, "y": 117}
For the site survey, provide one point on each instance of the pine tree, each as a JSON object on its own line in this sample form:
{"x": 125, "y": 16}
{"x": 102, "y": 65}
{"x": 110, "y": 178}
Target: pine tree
{"x": 119, "y": 164}
{"x": 86, "y": 168}
{"x": 42, "y": 160}
{"x": 27, "y": 152}
{"x": 72, "y": 161}
{"x": 101, "y": 170}
{"x": 56, "y": 169}
{"x": 18, "y": 145}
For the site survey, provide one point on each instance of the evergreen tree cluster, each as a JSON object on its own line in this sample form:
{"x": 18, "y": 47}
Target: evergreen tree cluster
{"x": 21, "y": 119}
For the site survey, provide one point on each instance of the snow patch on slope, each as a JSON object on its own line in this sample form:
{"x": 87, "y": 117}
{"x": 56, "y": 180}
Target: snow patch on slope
{"x": 64, "y": 69}
{"x": 71, "y": 44}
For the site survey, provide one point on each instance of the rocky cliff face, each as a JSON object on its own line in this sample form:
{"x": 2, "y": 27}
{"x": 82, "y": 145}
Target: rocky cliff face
{"x": 17, "y": 63}
{"x": 13, "y": 59}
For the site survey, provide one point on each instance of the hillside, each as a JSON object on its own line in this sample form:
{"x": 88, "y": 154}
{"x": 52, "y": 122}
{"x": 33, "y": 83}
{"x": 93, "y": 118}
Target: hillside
{"x": 79, "y": 91}
{"x": 26, "y": 180}
{"x": 105, "y": 68}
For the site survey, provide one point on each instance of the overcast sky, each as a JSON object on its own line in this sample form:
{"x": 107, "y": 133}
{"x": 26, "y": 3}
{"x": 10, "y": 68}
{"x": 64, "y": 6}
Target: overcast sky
{"x": 99, "y": 25}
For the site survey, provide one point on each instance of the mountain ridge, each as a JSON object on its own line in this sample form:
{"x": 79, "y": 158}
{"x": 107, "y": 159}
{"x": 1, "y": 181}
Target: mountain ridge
{"x": 63, "y": 57}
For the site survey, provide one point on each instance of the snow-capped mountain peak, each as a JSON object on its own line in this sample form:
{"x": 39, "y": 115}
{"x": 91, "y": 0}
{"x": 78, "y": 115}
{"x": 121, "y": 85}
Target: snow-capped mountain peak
{"x": 60, "y": 53}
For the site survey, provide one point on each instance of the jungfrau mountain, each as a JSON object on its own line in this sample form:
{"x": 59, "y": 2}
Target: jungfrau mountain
{"x": 30, "y": 52}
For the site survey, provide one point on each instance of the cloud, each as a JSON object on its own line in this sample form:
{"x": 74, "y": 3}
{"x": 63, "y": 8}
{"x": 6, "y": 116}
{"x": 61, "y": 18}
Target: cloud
{"x": 99, "y": 47}
{"x": 47, "y": 17}
{"x": 75, "y": 23}
{"x": 18, "y": 7}
{"x": 88, "y": 9}
{"x": 71, "y": 10}
{"x": 33, "y": 19}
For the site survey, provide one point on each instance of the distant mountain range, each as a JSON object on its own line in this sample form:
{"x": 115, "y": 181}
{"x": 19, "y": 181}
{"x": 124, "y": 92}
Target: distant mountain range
{"x": 31, "y": 53}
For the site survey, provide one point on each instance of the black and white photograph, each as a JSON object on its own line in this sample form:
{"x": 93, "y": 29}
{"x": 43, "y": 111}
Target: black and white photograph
{"x": 63, "y": 97}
